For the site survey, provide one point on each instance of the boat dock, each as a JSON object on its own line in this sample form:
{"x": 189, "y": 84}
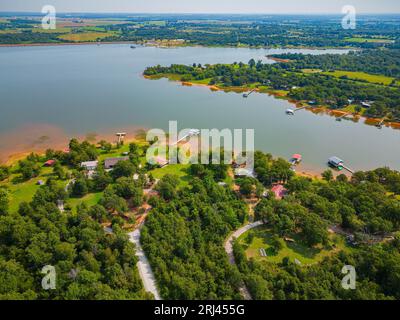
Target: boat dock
{"x": 291, "y": 112}
{"x": 246, "y": 95}
{"x": 342, "y": 117}
{"x": 191, "y": 133}
{"x": 338, "y": 164}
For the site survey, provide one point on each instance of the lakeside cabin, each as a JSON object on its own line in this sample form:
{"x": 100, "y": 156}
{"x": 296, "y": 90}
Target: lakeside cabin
{"x": 110, "y": 163}
{"x": 336, "y": 163}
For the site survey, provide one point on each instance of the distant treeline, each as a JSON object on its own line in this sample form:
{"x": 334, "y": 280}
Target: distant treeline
{"x": 386, "y": 62}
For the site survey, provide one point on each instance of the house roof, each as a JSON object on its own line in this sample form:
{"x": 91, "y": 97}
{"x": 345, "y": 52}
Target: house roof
{"x": 243, "y": 172}
{"x": 111, "y": 162}
{"x": 87, "y": 164}
{"x": 335, "y": 160}
{"x": 49, "y": 162}
{"x": 296, "y": 156}
{"x": 279, "y": 191}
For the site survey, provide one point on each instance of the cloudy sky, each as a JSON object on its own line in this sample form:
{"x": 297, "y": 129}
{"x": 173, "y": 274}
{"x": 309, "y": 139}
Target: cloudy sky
{"x": 204, "y": 6}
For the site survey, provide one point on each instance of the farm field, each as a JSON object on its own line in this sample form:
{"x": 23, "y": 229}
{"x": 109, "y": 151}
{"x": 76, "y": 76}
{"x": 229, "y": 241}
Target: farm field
{"x": 368, "y": 40}
{"x": 86, "y": 36}
{"x": 372, "y": 78}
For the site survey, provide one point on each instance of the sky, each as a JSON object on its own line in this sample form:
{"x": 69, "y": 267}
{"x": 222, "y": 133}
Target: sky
{"x": 203, "y": 6}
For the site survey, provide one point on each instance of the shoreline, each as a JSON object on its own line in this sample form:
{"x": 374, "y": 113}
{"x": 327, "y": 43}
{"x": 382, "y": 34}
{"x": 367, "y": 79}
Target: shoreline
{"x": 55, "y": 44}
{"x": 298, "y": 104}
{"x": 309, "y": 171}
{"x": 62, "y": 44}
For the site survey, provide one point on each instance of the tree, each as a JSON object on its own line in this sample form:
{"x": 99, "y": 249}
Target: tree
{"x": 105, "y": 146}
{"x": 246, "y": 187}
{"x": 252, "y": 63}
{"x": 4, "y": 172}
{"x": 59, "y": 171}
{"x": 3, "y": 201}
{"x": 114, "y": 203}
{"x": 327, "y": 175}
{"x": 123, "y": 169}
{"x": 79, "y": 188}
{"x": 29, "y": 169}
{"x": 167, "y": 186}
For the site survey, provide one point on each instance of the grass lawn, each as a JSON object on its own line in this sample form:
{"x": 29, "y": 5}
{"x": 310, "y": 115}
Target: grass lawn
{"x": 262, "y": 239}
{"x": 90, "y": 199}
{"x": 180, "y": 170}
{"x": 86, "y": 36}
{"x": 24, "y": 191}
{"x": 351, "y": 108}
{"x": 372, "y": 78}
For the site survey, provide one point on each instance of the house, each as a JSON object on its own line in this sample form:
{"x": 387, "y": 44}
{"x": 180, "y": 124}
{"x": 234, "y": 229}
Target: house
{"x": 336, "y": 163}
{"x": 366, "y": 104}
{"x": 89, "y": 165}
{"x": 49, "y": 163}
{"x": 244, "y": 173}
{"x": 40, "y": 183}
{"x": 111, "y": 162}
{"x": 279, "y": 191}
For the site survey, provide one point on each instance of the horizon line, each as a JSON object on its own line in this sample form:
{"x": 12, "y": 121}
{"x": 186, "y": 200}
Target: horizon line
{"x": 203, "y": 13}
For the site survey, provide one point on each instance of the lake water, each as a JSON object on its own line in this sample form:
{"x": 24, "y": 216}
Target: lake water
{"x": 66, "y": 91}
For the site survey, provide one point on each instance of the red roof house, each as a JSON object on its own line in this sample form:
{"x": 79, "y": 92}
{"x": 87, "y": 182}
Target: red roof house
{"x": 49, "y": 163}
{"x": 279, "y": 191}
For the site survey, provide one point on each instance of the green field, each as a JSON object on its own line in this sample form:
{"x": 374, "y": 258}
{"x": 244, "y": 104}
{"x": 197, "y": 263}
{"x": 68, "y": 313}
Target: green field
{"x": 57, "y": 30}
{"x": 24, "y": 191}
{"x": 369, "y": 40}
{"x": 372, "y": 78}
{"x": 262, "y": 239}
{"x": 308, "y": 71}
{"x": 86, "y": 36}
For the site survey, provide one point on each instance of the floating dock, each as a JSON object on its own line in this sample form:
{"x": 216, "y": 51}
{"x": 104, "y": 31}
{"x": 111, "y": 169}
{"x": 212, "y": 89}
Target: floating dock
{"x": 246, "y": 95}
{"x": 291, "y": 112}
{"x": 338, "y": 164}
